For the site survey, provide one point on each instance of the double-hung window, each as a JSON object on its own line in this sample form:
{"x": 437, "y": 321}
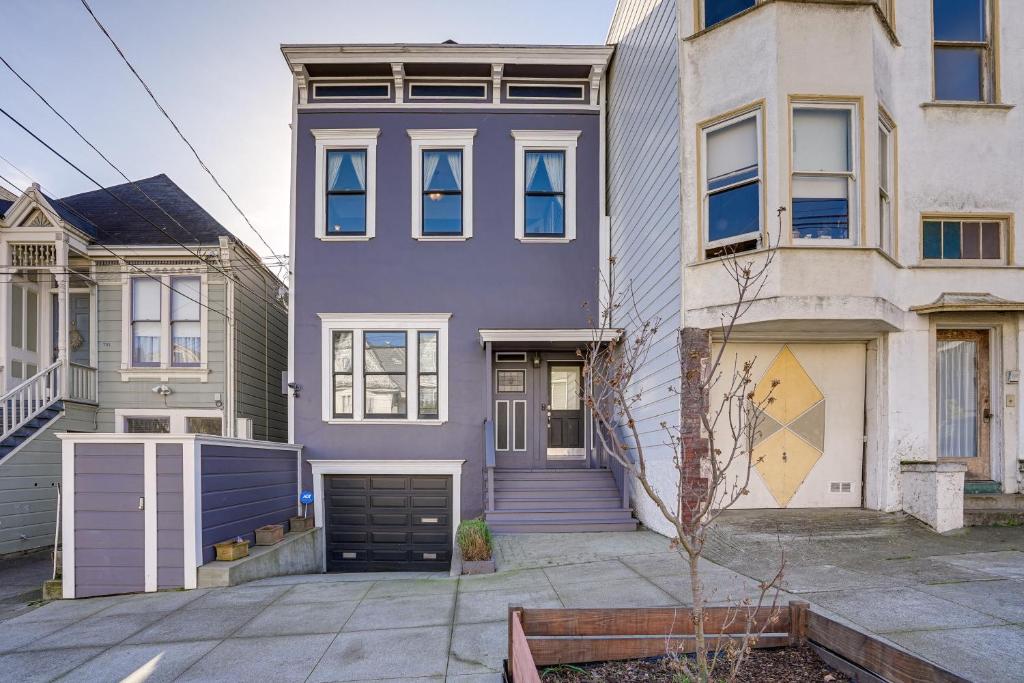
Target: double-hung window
{"x": 442, "y": 188}
{"x": 824, "y": 172}
{"x": 165, "y": 322}
{"x": 545, "y": 189}
{"x": 715, "y": 11}
{"x": 385, "y": 368}
{"x": 886, "y": 184}
{"x": 732, "y": 184}
{"x": 346, "y": 183}
{"x": 963, "y": 50}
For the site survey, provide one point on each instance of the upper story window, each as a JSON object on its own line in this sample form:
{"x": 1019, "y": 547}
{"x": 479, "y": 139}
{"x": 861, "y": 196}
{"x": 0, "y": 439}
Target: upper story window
{"x": 824, "y": 173}
{"x": 442, "y": 166}
{"x": 352, "y": 91}
{"x": 545, "y": 91}
{"x": 715, "y": 11}
{"x": 963, "y": 50}
{"x": 166, "y": 322}
{"x": 448, "y": 91}
{"x": 965, "y": 241}
{"x": 346, "y": 179}
{"x": 545, "y": 189}
{"x": 442, "y": 192}
{"x": 385, "y": 367}
{"x": 732, "y": 204}
{"x": 886, "y": 183}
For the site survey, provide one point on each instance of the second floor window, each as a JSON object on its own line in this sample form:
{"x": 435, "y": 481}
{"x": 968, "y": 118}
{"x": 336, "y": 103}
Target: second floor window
{"x": 442, "y": 192}
{"x": 545, "y": 194}
{"x": 185, "y": 324}
{"x": 715, "y": 11}
{"x": 166, "y": 322}
{"x": 963, "y": 59}
{"x": 886, "y": 174}
{"x": 824, "y": 179}
{"x": 147, "y": 329}
{"x": 732, "y": 186}
{"x": 346, "y": 192}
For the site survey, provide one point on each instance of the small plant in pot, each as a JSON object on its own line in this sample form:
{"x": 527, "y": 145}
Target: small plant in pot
{"x": 474, "y": 540}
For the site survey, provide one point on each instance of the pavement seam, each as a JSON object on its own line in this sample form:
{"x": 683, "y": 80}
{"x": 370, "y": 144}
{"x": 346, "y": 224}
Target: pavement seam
{"x": 451, "y": 626}
{"x": 340, "y": 630}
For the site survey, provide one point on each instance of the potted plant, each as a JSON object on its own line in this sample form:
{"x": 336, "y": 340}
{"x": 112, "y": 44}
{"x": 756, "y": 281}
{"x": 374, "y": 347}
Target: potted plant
{"x": 474, "y": 539}
{"x": 235, "y": 549}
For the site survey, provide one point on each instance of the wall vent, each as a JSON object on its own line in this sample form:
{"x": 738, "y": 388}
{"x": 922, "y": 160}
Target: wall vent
{"x": 840, "y": 487}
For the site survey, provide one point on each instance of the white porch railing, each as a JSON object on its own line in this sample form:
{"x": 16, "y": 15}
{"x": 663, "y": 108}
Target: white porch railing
{"x": 82, "y": 383}
{"x": 28, "y": 399}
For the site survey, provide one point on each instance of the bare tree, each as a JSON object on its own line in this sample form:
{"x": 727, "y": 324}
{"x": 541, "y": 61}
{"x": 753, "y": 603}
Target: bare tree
{"x": 712, "y": 445}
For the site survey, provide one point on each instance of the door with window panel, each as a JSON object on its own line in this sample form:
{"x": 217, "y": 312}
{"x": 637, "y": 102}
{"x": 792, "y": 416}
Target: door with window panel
{"x": 963, "y": 400}
{"x": 513, "y": 402}
{"x": 23, "y": 333}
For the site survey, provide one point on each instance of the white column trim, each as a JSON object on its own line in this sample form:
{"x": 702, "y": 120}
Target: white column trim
{"x": 192, "y": 521}
{"x": 150, "y": 493}
{"x": 67, "y": 513}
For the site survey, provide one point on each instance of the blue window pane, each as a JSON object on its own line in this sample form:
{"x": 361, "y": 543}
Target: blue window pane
{"x": 958, "y": 74}
{"x": 545, "y": 171}
{"x": 442, "y": 214}
{"x": 821, "y": 218}
{"x": 346, "y": 214}
{"x": 718, "y": 10}
{"x": 959, "y": 20}
{"x": 932, "y": 247}
{"x": 950, "y": 240}
{"x": 732, "y": 178}
{"x": 385, "y": 352}
{"x": 442, "y": 170}
{"x": 346, "y": 169}
{"x": 734, "y": 212}
{"x": 545, "y": 216}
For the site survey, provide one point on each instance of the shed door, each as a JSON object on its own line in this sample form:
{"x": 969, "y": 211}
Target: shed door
{"x": 388, "y": 522}
{"x": 110, "y": 555}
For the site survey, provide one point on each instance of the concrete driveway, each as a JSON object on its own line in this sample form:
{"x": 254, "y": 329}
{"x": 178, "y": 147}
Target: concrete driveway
{"x": 435, "y": 628}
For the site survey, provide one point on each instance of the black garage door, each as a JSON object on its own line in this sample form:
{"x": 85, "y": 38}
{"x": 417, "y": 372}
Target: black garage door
{"x": 388, "y": 522}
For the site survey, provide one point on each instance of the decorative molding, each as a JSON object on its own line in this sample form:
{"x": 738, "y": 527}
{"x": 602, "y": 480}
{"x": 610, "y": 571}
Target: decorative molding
{"x": 584, "y": 335}
{"x": 398, "y": 74}
{"x": 497, "y": 70}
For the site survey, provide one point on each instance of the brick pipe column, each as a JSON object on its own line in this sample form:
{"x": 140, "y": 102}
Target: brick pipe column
{"x": 695, "y": 345}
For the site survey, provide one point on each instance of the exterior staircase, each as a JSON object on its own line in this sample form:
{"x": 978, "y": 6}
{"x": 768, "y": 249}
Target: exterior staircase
{"x": 994, "y": 509}
{"x": 27, "y": 430}
{"x": 557, "y": 501}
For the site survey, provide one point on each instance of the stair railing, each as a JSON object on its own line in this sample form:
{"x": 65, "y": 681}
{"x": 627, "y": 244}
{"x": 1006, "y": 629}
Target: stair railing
{"x": 489, "y": 461}
{"x": 82, "y": 383}
{"x": 22, "y": 403}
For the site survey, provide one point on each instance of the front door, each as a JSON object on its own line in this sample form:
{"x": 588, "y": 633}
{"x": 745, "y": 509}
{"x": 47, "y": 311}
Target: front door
{"x": 963, "y": 399}
{"x": 23, "y": 331}
{"x": 513, "y": 410}
{"x": 564, "y": 413}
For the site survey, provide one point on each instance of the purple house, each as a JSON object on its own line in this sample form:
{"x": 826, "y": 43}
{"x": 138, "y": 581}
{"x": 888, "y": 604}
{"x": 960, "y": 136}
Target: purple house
{"x": 448, "y": 235}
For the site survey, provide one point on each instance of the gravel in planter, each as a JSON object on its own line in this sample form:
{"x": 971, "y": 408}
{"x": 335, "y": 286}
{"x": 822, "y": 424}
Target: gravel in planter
{"x": 780, "y": 665}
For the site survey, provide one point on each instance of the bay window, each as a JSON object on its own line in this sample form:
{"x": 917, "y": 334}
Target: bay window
{"x": 384, "y": 374}
{"x": 886, "y": 183}
{"x": 824, "y": 173}
{"x": 732, "y": 184}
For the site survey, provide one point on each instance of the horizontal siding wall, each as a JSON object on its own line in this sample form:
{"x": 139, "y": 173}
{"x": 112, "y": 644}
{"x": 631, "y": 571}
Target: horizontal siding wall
{"x": 245, "y": 488}
{"x": 138, "y": 393}
{"x": 170, "y": 520}
{"x": 643, "y": 202}
{"x": 28, "y": 483}
{"x": 261, "y": 350}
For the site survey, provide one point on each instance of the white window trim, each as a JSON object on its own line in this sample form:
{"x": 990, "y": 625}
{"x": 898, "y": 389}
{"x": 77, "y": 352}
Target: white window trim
{"x": 165, "y": 372}
{"x": 448, "y": 138}
{"x": 177, "y": 417}
{"x": 707, "y": 243}
{"x": 411, "y": 324}
{"x": 853, "y": 175}
{"x": 546, "y": 140}
{"x": 452, "y": 468}
{"x": 355, "y": 139}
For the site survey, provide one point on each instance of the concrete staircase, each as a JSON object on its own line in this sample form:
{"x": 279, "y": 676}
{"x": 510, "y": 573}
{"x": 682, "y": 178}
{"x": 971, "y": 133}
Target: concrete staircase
{"x": 557, "y": 501}
{"x": 1000, "y": 509}
{"x": 25, "y": 432}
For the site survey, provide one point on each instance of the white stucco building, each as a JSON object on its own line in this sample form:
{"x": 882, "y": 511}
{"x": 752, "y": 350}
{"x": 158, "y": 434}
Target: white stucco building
{"x": 891, "y": 134}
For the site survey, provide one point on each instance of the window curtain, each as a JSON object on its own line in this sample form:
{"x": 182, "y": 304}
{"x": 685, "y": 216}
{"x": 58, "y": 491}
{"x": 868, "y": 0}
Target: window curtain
{"x": 334, "y": 169}
{"x": 957, "y": 398}
{"x": 532, "y": 164}
{"x": 335, "y": 163}
{"x": 554, "y": 167}
{"x": 455, "y": 164}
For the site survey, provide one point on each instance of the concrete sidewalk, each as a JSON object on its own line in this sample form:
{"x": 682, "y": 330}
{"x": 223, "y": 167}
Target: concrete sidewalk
{"x": 364, "y": 627}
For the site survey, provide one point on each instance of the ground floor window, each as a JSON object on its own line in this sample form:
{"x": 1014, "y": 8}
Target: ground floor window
{"x": 178, "y": 421}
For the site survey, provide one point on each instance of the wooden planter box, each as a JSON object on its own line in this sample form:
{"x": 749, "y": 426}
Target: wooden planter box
{"x": 300, "y": 524}
{"x": 229, "y": 551}
{"x": 544, "y": 637}
{"x": 270, "y": 534}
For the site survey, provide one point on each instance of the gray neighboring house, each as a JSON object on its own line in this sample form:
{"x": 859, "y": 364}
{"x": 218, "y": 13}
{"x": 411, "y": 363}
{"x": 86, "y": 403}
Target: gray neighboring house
{"x": 110, "y": 324}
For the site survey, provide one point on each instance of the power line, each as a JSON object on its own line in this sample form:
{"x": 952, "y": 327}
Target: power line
{"x": 174, "y": 125}
{"x": 118, "y": 199}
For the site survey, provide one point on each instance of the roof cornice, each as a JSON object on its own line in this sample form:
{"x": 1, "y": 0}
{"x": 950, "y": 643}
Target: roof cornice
{"x": 297, "y": 54}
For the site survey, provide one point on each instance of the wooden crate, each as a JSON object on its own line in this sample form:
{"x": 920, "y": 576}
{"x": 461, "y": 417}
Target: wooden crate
{"x": 228, "y": 551}
{"x": 300, "y": 524}
{"x": 270, "y": 534}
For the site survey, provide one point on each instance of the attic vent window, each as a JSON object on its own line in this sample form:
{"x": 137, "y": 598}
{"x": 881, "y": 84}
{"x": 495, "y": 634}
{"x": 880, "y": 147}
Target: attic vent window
{"x": 448, "y": 91}
{"x": 352, "y": 91}
{"x": 545, "y": 92}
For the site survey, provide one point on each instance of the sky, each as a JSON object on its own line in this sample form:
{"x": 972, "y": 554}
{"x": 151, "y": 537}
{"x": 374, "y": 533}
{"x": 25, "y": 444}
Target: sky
{"x": 216, "y": 67}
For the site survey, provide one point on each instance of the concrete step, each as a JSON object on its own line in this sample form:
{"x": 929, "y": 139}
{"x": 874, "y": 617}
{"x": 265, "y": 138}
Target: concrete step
{"x": 555, "y": 485}
{"x": 997, "y": 501}
{"x": 560, "y": 515}
{"x": 551, "y": 474}
{"x": 560, "y": 527}
{"x": 994, "y": 517}
{"x": 557, "y": 494}
{"x": 608, "y": 503}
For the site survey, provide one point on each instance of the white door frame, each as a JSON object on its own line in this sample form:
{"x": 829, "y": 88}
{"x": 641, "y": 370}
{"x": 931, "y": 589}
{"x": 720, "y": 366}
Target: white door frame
{"x": 320, "y": 468}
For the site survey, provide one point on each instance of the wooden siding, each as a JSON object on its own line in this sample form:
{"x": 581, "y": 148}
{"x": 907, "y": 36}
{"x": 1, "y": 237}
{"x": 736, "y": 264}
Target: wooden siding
{"x": 170, "y": 520}
{"x": 644, "y": 194}
{"x": 245, "y": 488}
{"x": 28, "y": 483}
{"x": 138, "y": 393}
{"x": 261, "y": 349}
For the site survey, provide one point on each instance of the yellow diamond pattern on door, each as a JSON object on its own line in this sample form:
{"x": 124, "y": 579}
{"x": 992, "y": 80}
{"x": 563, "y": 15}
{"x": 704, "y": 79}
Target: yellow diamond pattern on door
{"x": 786, "y": 457}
